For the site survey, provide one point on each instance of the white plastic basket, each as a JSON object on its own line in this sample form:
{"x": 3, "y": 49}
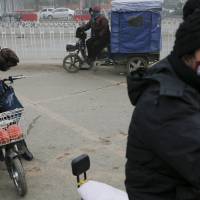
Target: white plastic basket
{"x": 8, "y": 119}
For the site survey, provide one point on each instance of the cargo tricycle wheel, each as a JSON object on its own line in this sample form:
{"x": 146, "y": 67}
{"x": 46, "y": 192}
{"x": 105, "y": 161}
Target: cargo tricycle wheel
{"x": 136, "y": 62}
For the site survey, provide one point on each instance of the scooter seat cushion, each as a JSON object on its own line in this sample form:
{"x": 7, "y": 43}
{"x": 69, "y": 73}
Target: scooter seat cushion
{"x": 93, "y": 190}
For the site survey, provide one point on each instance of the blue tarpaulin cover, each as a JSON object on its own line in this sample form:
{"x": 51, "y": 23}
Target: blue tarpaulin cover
{"x": 136, "y": 5}
{"x": 135, "y": 31}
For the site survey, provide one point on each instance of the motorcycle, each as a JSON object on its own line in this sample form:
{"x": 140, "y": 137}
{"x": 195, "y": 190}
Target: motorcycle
{"x": 11, "y": 137}
{"x": 73, "y": 62}
{"x": 77, "y": 57}
{"x": 93, "y": 190}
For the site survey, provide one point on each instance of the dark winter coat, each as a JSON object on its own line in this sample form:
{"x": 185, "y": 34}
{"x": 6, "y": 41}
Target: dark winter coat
{"x": 163, "y": 148}
{"x": 99, "y": 27}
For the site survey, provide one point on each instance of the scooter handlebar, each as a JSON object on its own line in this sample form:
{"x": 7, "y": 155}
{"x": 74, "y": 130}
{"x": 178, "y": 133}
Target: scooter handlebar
{"x": 13, "y": 78}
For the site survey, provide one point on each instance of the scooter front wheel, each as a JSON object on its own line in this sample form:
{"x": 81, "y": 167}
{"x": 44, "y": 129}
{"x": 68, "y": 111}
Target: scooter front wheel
{"x": 17, "y": 174}
{"x": 72, "y": 63}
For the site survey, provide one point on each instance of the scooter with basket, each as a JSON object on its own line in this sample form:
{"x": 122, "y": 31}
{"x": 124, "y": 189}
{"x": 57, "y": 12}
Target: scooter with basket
{"x": 135, "y": 38}
{"x": 11, "y": 137}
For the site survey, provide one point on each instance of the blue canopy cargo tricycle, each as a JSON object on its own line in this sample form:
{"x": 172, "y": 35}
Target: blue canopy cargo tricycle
{"x": 135, "y": 37}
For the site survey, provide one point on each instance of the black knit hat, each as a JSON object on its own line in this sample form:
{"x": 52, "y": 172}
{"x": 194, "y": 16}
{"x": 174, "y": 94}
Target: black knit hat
{"x": 189, "y": 7}
{"x": 188, "y": 36}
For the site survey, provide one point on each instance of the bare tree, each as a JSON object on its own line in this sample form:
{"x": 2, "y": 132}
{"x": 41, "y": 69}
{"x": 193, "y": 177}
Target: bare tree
{"x": 4, "y": 7}
{"x": 37, "y": 5}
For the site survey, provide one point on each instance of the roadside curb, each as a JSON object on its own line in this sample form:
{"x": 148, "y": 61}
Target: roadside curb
{"x": 39, "y": 65}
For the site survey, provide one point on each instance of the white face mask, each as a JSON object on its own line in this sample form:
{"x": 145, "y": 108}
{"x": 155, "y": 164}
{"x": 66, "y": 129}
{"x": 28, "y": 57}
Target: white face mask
{"x": 198, "y": 70}
{"x": 197, "y": 67}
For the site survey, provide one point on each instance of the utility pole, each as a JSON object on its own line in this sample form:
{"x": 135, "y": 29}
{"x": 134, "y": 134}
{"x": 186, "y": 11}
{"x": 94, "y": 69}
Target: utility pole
{"x": 37, "y": 5}
{"x": 82, "y": 4}
{"x": 4, "y": 8}
{"x": 13, "y": 7}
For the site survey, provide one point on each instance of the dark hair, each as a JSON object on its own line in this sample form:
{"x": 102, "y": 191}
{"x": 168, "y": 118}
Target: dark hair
{"x": 90, "y": 10}
{"x": 95, "y": 8}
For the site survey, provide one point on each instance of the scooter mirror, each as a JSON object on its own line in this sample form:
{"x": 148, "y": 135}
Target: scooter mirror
{"x": 80, "y": 165}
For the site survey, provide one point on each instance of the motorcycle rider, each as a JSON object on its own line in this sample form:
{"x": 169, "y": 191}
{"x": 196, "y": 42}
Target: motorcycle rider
{"x": 163, "y": 149}
{"x": 100, "y": 33}
{"x": 9, "y": 59}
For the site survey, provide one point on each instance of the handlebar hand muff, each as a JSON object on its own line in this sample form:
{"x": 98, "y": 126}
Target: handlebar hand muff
{"x": 8, "y": 58}
{"x": 8, "y": 99}
{"x": 80, "y": 33}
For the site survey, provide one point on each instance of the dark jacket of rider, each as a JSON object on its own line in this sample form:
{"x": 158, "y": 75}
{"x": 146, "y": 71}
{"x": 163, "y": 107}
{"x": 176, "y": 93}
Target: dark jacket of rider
{"x": 99, "y": 26}
{"x": 163, "y": 149}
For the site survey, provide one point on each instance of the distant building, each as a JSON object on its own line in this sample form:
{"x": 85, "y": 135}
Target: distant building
{"x": 8, "y": 6}
{"x": 183, "y": 1}
{"x": 172, "y": 4}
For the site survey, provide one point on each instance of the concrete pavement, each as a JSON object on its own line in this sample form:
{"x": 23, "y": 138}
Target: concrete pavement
{"x": 68, "y": 115}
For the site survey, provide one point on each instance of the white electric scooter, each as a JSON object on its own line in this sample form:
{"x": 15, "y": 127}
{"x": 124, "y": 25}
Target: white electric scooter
{"x": 93, "y": 190}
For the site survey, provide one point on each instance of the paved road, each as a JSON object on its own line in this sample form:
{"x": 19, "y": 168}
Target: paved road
{"x": 67, "y": 115}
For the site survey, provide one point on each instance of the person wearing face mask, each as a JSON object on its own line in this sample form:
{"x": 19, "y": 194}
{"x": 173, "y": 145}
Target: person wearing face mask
{"x": 163, "y": 148}
{"x": 100, "y": 33}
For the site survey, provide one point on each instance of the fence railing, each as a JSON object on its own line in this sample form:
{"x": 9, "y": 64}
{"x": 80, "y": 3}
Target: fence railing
{"x": 169, "y": 28}
{"x": 46, "y": 41}
{"x": 41, "y": 41}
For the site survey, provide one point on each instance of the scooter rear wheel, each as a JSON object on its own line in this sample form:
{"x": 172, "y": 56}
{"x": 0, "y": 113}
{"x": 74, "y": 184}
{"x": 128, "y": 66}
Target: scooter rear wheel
{"x": 72, "y": 63}
{"x": 17, "y": 174}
